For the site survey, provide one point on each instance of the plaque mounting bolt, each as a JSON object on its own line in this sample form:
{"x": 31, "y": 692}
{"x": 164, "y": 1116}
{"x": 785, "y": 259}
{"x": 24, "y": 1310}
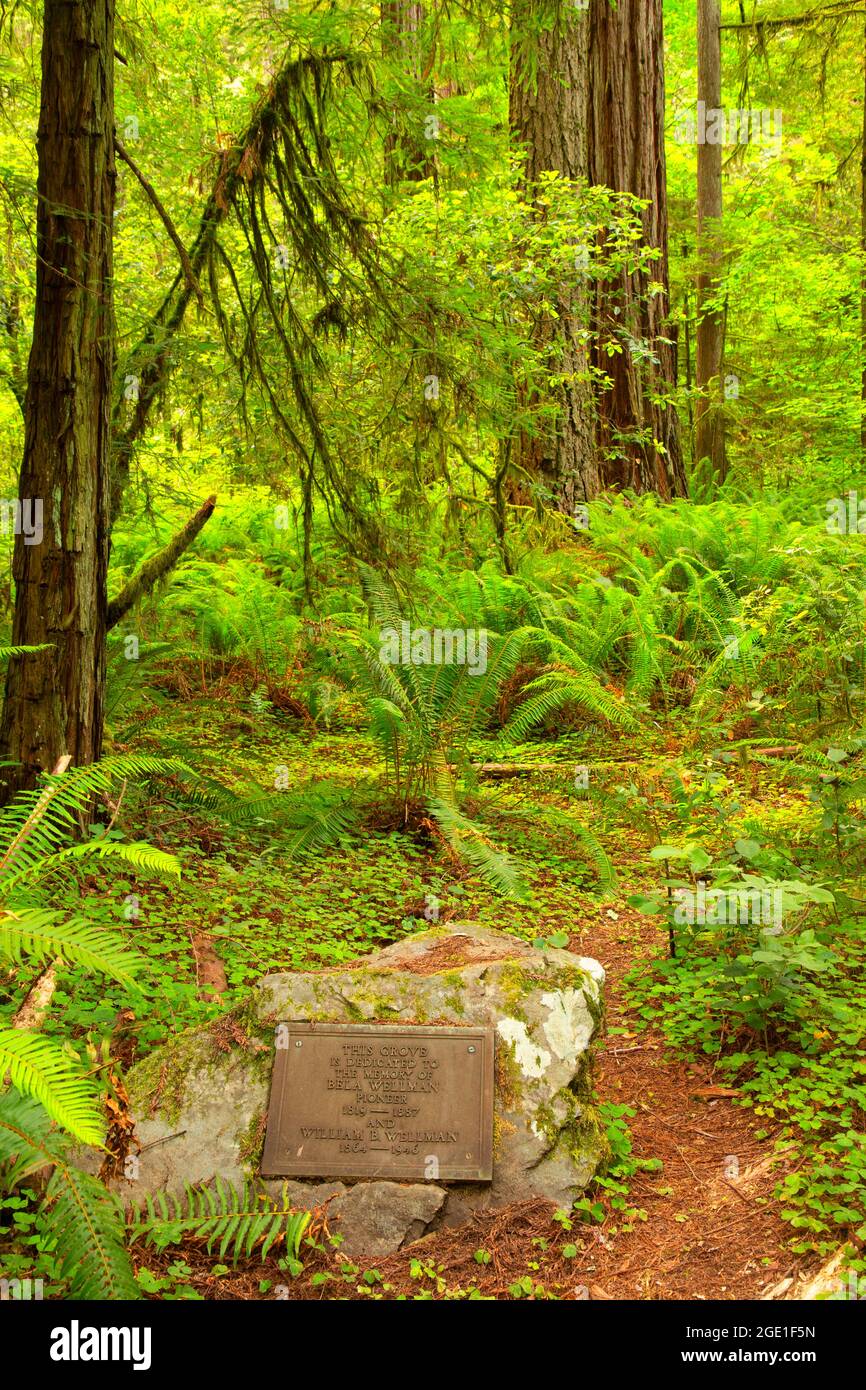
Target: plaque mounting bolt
{"x": 297, "y": 1044}
{"x": 470, "y": 1049}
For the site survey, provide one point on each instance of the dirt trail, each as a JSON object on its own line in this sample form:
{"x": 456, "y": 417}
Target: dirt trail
{"x": 708, "y": 1235}
{"x": 712, "y": 1230}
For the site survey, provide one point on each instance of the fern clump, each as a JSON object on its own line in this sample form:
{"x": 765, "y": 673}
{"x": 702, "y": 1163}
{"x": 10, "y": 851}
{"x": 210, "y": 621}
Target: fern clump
{"x": 232, "y": 1221}
{"x": 425, "y": 716}
{"x": 84, "y": 1219}
{"x": 35, "y": 829}
{"x": 48, "y": 1083}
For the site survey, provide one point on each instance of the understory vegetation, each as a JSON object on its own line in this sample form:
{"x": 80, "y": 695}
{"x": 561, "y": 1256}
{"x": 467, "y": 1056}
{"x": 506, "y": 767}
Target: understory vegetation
{"x": 455, "y": 520}
{"x": 315, "y": 802}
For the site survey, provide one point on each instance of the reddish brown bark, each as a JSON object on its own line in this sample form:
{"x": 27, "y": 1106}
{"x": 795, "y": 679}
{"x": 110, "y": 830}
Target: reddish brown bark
{"x": 409, "y": 153}
{"x": 548, "y": 116}
{"x": 638, "y": 432}
{"x": 54, "y": 700}
{"x": 863, "y": 271}
{"x": 709, "y": 338}
{"x": 587, "y": 100}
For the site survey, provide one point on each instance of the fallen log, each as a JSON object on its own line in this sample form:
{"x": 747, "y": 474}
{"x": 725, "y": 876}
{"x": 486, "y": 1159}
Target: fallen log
{"x": 518, "y": 769}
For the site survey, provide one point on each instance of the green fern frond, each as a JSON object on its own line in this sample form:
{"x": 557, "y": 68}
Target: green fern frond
{"x": 313, "y": 816}
{"x": 39, "y": 1068}
{"x": 87, "y": 1223}
{"x": 24, "y": 1131}
{"x": 7, "y": 652}
{"x": 469, "y": 841}
{"x": 240, "y": 1221}
{"x": 323, "y": 820}
{"x": 387, "y": 721}
{"x": 139, "y": 854}
{"x": 386, "y": 611}
{"x": 83, "y": 1217}
{"x": 478, "y": 694}
{"x": 46, "y": 936}
{"x": 556, "y": 689}
{"x": 724, "y": 671}
{"x": 595, "y": 851}
{"x": 235, "y": 808}
{"x": 38, "y": 822}
{"x": 401, "y": 686}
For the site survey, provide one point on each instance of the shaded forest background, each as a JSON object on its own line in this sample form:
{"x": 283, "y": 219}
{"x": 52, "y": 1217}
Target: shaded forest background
{"x": 544, "y": 325}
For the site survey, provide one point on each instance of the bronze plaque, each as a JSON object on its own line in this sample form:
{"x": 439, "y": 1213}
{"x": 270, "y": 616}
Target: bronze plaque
{"x": 381, "y": 1101}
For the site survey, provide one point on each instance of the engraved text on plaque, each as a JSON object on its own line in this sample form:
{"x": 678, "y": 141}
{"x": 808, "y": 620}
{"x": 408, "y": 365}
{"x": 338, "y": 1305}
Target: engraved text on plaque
{"x": 376, "y": 1100}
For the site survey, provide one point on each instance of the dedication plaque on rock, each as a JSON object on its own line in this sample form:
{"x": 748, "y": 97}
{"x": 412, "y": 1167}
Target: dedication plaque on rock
{"x": 381, "y": 1101}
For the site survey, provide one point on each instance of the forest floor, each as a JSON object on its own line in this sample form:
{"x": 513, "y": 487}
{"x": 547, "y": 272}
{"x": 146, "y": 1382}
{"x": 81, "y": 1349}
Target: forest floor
{"x": 699, "y": 1219}
{"x": 704, "y": 1236}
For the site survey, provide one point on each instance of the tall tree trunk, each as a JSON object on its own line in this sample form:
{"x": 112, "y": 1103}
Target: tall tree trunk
{"x": 863, "y": 270}
{"x": 638, "y": 433}
{"x": 409, "y": 153}
{"x": 54, "y": 700}
{"x": 710, "y": 336}
{"x": 548, "y": 118}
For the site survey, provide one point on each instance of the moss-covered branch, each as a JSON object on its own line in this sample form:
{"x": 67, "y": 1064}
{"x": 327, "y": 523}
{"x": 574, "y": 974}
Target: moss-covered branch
{"x": 158, "y": 565}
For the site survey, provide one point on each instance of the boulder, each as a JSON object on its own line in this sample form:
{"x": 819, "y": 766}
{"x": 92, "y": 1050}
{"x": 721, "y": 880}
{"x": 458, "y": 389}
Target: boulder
{"x": 200, "y": 1101}
{"x": 375, "y": 1218}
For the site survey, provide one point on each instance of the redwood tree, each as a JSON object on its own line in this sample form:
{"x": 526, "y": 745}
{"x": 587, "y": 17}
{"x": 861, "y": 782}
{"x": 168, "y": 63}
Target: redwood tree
{"x": 548, "y": 95}
{"x": 863, "y": 270}
{"x": 638, "y": 430}
{"x": 54, "y": 699}
{"x": 587, "y": 101}
{"x": 408, "y": 153}
{"x": 709, "y": 340}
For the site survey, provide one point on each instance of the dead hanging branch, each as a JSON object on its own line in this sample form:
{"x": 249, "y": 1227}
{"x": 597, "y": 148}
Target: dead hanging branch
{"x": 310, "y": 267}
{"x": 284, "y": 149}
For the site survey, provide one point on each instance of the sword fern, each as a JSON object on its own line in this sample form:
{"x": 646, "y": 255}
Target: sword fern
{"x": 49, "y": 1085}
{"x": 241, "y": 1221}
{"x": 85, "y": 1219}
